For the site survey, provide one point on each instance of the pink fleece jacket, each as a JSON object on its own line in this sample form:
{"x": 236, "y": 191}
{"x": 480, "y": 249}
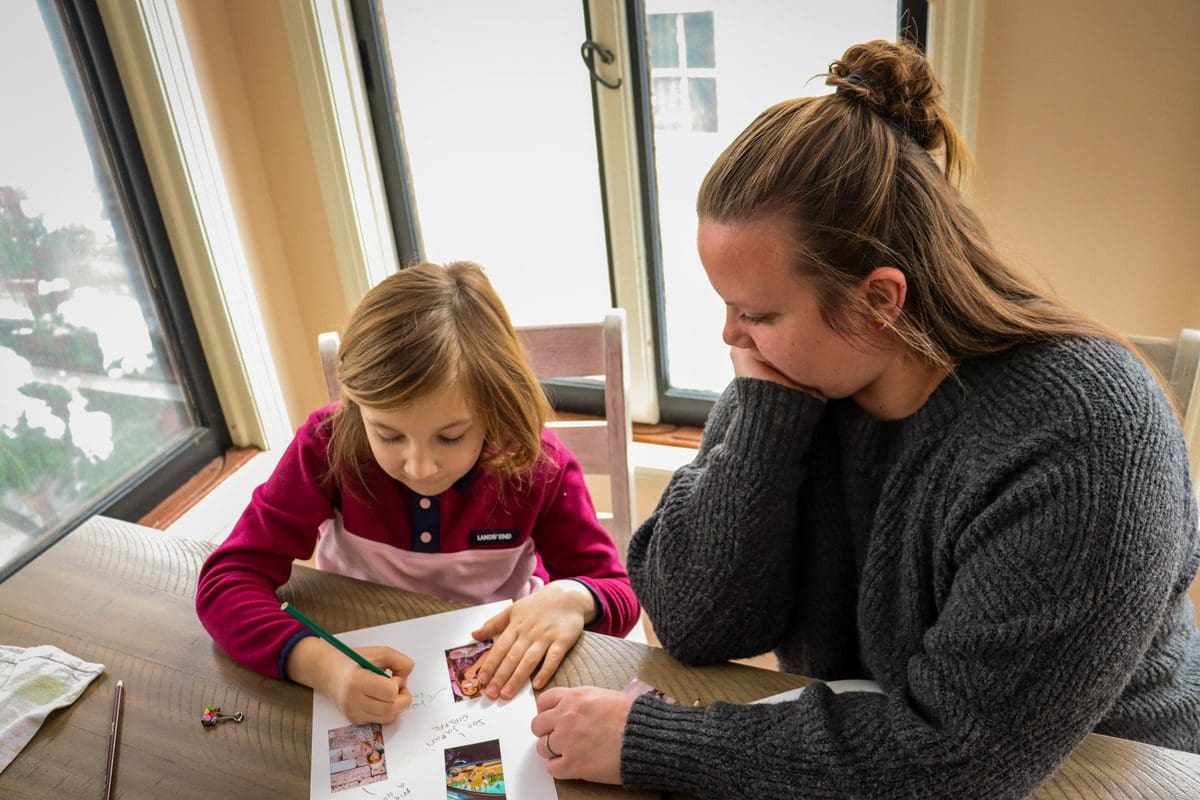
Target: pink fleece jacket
{"x": 467, "y": 544}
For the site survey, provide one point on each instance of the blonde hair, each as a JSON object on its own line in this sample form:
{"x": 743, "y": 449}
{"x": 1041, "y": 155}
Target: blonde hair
{"x": 426, "y": 328}
{"x": 866, "y": 177}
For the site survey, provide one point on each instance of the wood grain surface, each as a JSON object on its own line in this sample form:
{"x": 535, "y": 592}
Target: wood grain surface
{"x": 122, "y": 595}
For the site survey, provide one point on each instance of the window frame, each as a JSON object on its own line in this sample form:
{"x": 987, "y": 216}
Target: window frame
{"x": 626, "y": 152}
{"x": 81, "y": 37}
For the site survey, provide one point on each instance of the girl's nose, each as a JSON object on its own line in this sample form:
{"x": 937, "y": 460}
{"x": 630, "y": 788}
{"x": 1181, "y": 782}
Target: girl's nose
{"x": 420, "y": 465}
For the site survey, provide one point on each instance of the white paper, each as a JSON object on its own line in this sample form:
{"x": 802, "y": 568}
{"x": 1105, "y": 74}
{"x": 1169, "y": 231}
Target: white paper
{"x": 848, "y": 685}
{"x": 483, "y": 746}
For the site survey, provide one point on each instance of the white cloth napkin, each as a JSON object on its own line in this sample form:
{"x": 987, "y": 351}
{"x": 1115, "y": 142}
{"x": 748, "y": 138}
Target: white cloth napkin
{"x": 33, "y": 682}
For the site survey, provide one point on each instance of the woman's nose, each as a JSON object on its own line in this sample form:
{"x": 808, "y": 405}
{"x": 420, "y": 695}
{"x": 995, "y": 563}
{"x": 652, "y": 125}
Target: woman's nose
{"x": 732, "y": 333}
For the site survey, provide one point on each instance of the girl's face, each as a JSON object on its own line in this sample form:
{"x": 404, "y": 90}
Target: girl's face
{"x": 427, "y": 445}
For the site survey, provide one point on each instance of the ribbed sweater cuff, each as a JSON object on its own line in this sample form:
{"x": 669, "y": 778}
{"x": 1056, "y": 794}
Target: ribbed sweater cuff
{"x": 772, "y": 421}
{"x": 660, "y": 745}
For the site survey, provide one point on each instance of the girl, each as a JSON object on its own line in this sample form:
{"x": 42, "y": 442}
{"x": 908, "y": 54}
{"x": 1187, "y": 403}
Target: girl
{"x": 926, "y": 473}
{"x": 435, "y": 474}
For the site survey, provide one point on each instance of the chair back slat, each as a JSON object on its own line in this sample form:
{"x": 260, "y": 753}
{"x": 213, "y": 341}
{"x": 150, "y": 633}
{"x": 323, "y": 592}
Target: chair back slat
{"x": 564, "y": 351}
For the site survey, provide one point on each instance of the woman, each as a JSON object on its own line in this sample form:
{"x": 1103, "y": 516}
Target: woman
{"x": 925, "y": 474}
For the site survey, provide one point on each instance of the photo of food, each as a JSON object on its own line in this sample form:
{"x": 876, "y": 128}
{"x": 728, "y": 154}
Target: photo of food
{"x": 356, "y": 756}
{"x": 463, "y": 662}
{"x": 475, "y": 772}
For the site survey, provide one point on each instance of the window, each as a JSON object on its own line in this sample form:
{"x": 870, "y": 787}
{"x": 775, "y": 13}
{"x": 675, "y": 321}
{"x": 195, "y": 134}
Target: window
{"x": 574, "y": 195}
{"x": 105, "y": 404}
{"x": 683, "y": 79}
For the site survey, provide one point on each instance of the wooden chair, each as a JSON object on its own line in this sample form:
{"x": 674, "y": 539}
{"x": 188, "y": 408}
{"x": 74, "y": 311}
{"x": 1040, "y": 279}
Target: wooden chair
{"x": 578, "y": 350}
{"x": 584, "y": 350}
{"x": 1177, "y": 359}
{"x": 1179, "y": 362}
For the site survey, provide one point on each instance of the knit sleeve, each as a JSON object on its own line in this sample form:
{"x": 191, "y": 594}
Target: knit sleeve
{"x": 235, "y": 594}
{"x": 729, "y": 514}
{"x": 1060, "y": 558}
{"x": 572, "y": 543}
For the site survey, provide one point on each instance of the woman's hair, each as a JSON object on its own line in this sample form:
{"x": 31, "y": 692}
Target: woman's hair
{"x": 421, "y": 330}
{"x": 866, "y": 177}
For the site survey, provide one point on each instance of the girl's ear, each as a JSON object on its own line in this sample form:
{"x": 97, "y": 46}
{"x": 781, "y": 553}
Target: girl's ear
{"x": 884, "y": 290}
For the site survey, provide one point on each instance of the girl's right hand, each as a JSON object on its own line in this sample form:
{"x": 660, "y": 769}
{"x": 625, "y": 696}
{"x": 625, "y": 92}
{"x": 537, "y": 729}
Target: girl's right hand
{"x": 360, "y": 694}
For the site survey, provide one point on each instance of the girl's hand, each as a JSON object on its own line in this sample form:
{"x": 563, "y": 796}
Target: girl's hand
{"x": 580, "y": 732}
{"x": 541, "y": 627}
{"x": 359, "y": 693}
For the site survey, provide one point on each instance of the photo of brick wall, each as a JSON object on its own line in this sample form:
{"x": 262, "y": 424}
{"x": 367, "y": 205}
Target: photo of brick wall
{"x": 356, "y": 756}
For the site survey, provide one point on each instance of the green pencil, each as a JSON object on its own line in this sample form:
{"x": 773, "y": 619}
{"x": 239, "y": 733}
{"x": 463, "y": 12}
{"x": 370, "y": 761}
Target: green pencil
{"x": 333, "y": 640}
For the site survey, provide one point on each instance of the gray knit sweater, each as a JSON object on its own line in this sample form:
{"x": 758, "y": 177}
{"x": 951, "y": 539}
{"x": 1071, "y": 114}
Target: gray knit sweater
{"x": 1010, "y": 563}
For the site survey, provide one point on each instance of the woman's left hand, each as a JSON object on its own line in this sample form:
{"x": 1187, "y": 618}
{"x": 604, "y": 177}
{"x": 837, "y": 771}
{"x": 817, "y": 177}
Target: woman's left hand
{"x": 539, "y": 628}
{"x": 580, "y": 732}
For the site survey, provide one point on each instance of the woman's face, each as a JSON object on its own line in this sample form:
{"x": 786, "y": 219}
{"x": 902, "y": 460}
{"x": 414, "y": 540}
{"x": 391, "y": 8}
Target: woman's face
{"x": 772, "y": 312}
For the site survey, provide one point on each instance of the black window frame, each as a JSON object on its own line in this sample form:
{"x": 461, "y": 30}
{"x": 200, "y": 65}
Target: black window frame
{"x": 676, "y": 406}
{"x": 77, "y": 31}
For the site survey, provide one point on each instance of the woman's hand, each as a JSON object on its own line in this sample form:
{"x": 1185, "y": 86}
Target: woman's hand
{"x": 360, "y": 694}
{"x": 747, "y": 364}
{"x": 539, "y": 628}
{"x": 580, "y": 732}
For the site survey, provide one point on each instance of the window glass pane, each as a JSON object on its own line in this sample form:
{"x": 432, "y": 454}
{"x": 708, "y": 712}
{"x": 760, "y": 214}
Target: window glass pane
{"x": 698, "y": 34}
{"x": 742, "y": 56}
{"x": 702, "y": 100}
{"x": 664, "y": 44}
{"x": 497, "y": 114}
{"x": 88, "y": 389}
{"x": 670, "y": 106}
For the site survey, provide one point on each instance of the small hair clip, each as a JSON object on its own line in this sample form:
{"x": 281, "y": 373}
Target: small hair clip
{"x": 212, "y": 715}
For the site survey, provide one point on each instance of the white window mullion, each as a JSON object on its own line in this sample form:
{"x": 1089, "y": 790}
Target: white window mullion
{"x": 326, "y": 61}
{"x": 622, "y": 174}
{"x": 150, "y": 47}
{"x": 955, "y": 46}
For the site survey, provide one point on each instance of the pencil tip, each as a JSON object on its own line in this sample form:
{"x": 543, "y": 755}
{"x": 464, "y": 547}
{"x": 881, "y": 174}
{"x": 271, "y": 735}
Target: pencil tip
{"x": 120, "y": 683}
{"x": 283, "y": 606}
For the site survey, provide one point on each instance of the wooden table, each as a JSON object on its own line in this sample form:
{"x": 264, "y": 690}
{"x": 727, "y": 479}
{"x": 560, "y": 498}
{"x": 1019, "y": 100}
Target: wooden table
{"x": 122, "y": 595}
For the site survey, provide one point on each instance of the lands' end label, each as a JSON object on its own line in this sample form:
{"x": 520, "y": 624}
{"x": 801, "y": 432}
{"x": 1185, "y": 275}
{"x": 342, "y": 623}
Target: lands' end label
{"x": 493, "y": 536}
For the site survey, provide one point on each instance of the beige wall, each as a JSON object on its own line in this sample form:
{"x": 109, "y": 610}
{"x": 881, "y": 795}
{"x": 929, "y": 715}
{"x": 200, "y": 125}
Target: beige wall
{"x": 1087, "y": 153}
{"x": 245, "y": 72}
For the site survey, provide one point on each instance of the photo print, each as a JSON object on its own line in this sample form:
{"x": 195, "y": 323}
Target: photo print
{"x": 463, "y": 662}
{"x": 475, "y": 772}
{"x": 356, "y": 756}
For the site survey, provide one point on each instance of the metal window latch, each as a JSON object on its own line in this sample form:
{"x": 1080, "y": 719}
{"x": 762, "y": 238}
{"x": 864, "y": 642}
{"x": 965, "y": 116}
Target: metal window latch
{"x": 589, "y": 49}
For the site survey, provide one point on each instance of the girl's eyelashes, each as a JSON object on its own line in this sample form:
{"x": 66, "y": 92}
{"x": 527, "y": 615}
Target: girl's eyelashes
{"x": 448, "y": 440}
{"x": 751, "y": 319}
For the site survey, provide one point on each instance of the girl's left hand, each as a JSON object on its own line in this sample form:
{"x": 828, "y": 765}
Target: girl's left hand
{"x": 540, "y": 627}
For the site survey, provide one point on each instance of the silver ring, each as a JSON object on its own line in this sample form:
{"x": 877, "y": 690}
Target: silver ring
{"x": 546, "y": 741}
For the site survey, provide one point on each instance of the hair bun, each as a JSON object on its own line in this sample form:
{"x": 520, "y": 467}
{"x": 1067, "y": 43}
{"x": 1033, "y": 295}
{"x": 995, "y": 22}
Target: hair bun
{"x": 896, "y": 81}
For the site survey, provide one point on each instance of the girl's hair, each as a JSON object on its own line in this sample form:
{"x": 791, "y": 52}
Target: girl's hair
{"x": 421, "y": 330}
{"x": 866, "y": 177}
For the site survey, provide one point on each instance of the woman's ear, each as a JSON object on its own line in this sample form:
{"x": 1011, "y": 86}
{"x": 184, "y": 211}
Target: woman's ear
{"x": 884, "y": 290}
